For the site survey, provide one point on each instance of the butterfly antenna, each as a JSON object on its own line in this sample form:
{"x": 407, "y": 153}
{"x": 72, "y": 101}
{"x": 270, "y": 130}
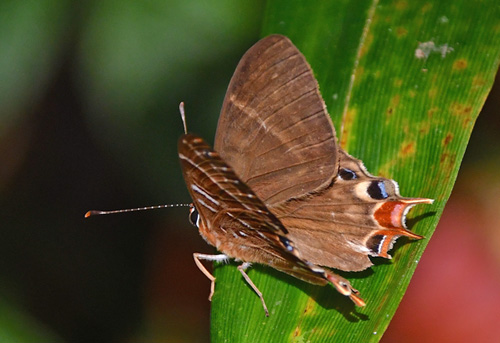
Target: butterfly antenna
{"x": 183, "y": 116}
{"x": 98, "y": 213}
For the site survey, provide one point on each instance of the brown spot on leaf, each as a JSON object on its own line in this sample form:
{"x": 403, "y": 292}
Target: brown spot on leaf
{"x": 478, "y": 82}
{"x": 432, "y": 111}
{"x": 367, "y": 44}
{"x": 424, "y": 127}
{"x": 398, "y": 82}
{"x": 408, "y": 149}
{"x": 432, "y": 92}
{"x": 447, "y": 160}
{"x": 447, "y": 139}
{"x": 394, "y": 103}
{"x": 347, "y": 126}
{"x": 395, "y": 100}
{"x": 460, "y": 109}
{"x": 460, "y": 64}
{"x": 443, "y": 157}
{"x": 467, "y": 121}
{"x": 401, "y": 31}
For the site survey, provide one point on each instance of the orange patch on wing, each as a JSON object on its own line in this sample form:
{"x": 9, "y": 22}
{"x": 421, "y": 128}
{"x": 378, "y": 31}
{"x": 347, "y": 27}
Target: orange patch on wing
{"x": 390, "y": 214}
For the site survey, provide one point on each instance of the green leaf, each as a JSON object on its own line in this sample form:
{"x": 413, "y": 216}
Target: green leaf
{"x": 404, "y": 82}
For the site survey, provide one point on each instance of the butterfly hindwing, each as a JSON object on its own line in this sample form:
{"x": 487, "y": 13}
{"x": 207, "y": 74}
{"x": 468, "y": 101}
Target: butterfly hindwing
{"x": 356, "y": 216}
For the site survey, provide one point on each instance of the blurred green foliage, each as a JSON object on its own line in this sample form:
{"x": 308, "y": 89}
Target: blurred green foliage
{"x": 89, "y": 95}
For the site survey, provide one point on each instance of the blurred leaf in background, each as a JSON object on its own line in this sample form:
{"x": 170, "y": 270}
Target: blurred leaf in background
{"x": 89, "y": 119}
{"x": 139, "y": 60}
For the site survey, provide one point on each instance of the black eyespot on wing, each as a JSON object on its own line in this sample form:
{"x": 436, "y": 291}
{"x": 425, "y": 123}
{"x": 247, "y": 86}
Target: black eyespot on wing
{"x": 347, "y": 174}
{"x": 193, "y": 216}
{"x": 377, "y": 190}
{"x": 374, "y": 243}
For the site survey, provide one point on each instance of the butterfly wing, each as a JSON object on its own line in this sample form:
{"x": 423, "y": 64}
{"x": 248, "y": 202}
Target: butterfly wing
{"x": 238, "y": 223}
{"x": 273, "y": 126}
{"x": 275, "y": 132}
{"x": 357, "y": 216}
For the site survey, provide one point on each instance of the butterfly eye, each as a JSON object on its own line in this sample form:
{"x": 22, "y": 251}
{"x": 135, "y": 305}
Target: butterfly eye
{"x": 194, "y": 216}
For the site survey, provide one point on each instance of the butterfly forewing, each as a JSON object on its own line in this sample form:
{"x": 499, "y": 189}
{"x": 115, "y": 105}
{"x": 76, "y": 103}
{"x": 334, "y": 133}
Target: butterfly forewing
{"x": 273, "y": 126}
{"x": 233, "y": 218}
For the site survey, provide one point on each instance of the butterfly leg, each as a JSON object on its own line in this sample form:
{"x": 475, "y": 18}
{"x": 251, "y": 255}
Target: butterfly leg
{"x": 217, "y": 258}
{"x": 242, "y": 269}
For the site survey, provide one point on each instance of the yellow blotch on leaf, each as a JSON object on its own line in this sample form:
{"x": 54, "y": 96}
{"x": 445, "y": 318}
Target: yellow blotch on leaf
{"x": 407, "y": 149}
{"x": 347, "y": 126}
{"x": 460, "y": 64}
{"x": 460, "y": 109}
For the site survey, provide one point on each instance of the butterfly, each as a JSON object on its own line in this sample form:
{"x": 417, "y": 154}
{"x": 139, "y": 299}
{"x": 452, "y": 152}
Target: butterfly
{"x": 277, "y": 189}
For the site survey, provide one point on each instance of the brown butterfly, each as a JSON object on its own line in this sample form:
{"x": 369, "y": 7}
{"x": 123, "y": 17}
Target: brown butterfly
{"x": 277, "y": 189}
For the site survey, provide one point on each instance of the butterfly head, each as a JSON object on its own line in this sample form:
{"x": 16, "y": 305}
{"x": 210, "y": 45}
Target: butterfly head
{"x": 194, "y": 216}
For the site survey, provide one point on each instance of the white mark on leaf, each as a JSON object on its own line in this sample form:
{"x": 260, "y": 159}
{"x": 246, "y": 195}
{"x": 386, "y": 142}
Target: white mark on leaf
{"x": 425, "y": 49}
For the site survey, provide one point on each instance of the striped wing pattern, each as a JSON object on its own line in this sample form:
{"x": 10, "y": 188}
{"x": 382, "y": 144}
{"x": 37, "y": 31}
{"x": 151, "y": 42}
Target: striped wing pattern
{"x": 282, "y": 192}
{"x": 238, "y": 223}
